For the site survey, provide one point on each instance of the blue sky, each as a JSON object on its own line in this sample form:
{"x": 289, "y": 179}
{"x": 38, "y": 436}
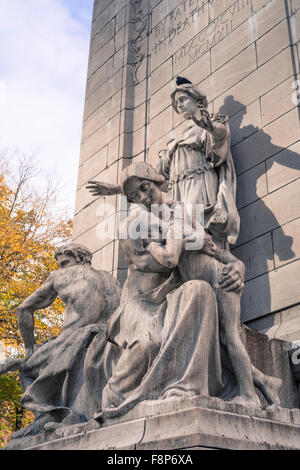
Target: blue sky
{"x": 44, "y": 46}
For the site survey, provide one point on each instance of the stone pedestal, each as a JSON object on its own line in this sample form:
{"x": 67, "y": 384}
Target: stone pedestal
{"x": 193, "y": 424}
{"x": 196, "y": 422}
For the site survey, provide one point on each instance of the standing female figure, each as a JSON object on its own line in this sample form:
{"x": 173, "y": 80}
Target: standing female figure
{"x": 199, "y": 167}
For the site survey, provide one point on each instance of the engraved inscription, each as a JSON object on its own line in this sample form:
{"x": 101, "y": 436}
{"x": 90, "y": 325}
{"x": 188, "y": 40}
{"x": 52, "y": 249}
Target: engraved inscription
{"x": 177, "y": 20}
{"x": 187, "y": 16}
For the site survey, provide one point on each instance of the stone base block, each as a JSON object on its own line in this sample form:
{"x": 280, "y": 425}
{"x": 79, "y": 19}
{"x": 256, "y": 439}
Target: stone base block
{"x": 177, "y": 424}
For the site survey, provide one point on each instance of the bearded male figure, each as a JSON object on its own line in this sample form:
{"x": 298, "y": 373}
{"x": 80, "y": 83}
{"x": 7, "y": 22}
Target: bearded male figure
{"x": 57, "y": 386}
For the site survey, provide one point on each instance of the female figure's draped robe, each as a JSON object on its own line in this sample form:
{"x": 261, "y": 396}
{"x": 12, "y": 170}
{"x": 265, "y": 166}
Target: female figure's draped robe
{"x": 200, "y": 170}
{"x": 163, "y": 338}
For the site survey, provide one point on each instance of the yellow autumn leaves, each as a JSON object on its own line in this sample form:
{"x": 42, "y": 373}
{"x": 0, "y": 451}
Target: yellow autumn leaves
{"x": 30, "y": 230}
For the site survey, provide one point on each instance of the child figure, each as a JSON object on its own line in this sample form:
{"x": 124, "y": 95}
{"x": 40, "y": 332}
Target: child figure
{"x": 212, "y": 264}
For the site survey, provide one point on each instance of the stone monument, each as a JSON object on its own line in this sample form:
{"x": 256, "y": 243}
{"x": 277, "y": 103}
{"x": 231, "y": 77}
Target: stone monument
{"x": 168, "y": 364}
{"x": 243, "y": 55}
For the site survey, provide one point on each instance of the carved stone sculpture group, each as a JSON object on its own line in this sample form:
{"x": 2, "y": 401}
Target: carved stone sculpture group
{"x": 174, "y": 330}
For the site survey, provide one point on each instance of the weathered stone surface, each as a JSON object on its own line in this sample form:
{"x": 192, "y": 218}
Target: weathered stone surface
{"x": 217, "y": 8}
{"x": 138, "y": 143}
{"x": 196, "y": 422}
{"x": 273, "y": 42}
{"x": 107, "y": 259}
{"x": 269, "y": 141}
{"x": 284, "y": 167}
{"x": 216, "y": 429}
{"x": 259, "y": 82}
{"x": 161, "y": 76}
{"x": 286, "y": 241}
{"x": 154, "y": 149}
{"x": 243, "y": 61}
{"x": 93, "y": 166}
{"x": 134, "y": 96}
{"x": 257, "y": 256}
{"x": 265, "y": 294}
{"x": 160, "y": 100}
{"x": 102, "y": 55}
{"x": 295, "y": 4}
{"x": 133, "y": 120}
{"x": 108, "y": 175}
{"x": 231, "y": 73}
{"x": 99, "y": 6}
{"x": 268, "y": 14}
{"x": 271, "y": 357}
{"x": 284, "y": 325}
{"x": 252, "y": 185}
{"x": 90, "y": 237}
{"x": 213, "y": 32}
{"x": 269, "y": 213}
{"x": 97, "y": 79}
{"x": 94, "y": 215}
{"x": 160, "y": 125}
{"x": 278, "y": 101}
{"x": 105, "y": 134}
{"x": 114, "y": 437}
{"x": 176, "y": 28}
{"x": 96, "y": 120}
{"x": 200, "y": 68}
{"x": 215, "y": 423}
{"x": 103, "y": 93}
{"x": 232, "y": 44}
{"x": 104, "y": 35}
{"x": 115, "y": 150}
{"x": 245, "y": 122}
{"x": 102, "y": 16}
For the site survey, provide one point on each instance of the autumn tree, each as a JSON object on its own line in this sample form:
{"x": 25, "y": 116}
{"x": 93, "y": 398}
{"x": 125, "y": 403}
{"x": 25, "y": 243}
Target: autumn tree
{"x": 30, "y": 230}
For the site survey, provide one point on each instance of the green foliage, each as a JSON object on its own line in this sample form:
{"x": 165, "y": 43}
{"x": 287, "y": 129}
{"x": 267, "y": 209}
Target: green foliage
{"x": 12, "y": 415}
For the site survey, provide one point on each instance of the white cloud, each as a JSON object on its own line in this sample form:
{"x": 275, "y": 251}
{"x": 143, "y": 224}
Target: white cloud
{"x": 43, "y": 64}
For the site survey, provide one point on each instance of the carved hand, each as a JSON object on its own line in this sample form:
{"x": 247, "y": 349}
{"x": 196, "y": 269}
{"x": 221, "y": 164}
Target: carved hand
{"x": 209, "y": 247}
{"x": 233, "y": 277}
{"x": 202, "y": 119}
{"x": 98, "y": 188}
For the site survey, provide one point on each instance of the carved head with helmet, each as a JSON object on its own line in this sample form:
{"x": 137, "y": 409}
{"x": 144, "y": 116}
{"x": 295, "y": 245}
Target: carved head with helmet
{"x": 186, "y": 98}
{"x": 142, "y": 184}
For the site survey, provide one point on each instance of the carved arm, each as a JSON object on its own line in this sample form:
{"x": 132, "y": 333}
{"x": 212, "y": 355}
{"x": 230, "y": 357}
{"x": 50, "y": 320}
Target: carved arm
{"x": 41, "y": 298}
